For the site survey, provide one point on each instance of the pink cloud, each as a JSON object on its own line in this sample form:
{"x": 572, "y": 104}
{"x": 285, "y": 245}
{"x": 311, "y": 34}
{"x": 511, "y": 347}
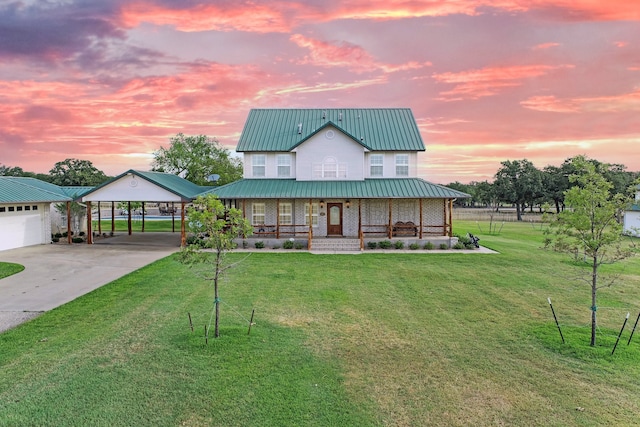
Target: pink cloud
{"x": 603, "y": 104}
{"x": 474, "y": 84}
{"x": 544, "y": 46}
{"x": 348, "y": 55}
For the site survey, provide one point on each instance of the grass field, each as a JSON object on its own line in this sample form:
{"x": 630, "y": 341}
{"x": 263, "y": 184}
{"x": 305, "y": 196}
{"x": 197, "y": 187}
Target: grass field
{"x": 350, "y": 340}
{"x": 136, "y": 225}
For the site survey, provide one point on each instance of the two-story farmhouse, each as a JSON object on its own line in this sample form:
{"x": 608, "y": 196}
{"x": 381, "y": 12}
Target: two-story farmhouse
{"x": 343, "y": 173}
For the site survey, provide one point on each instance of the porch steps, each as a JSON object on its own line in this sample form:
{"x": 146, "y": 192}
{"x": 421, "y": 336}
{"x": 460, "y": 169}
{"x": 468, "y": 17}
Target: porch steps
{"x": 335, "y": 245}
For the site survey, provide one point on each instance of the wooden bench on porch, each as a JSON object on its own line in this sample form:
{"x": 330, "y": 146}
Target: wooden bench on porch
{"x": 405, "y": 229}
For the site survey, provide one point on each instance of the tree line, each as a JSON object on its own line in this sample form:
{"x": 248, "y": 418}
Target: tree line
{"x": 518, "y": 183}
{"x": 199, "y": 159}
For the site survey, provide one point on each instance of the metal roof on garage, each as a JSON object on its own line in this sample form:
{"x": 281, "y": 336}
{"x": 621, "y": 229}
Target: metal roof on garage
{"x": 397, "y": 188}
{"x": 377, "y": 129}
{"x": 170, "y": 182}
{"x": 30, "y": 190}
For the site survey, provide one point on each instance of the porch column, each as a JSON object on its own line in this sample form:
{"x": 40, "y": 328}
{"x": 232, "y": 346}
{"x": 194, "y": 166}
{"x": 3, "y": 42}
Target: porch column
{"x": 143, "y": 217}
{"x": 113, "y": 217}
{"x": 311, "y": 222}
{"x": 421, "y": 222}
{"x": 183, "y": 234}
{"x": 69, "y": 222}
{"x": 450, "y": 217}
{"x": 89, "y": 227}
{"x": 390, "y": 232}
{"x": 129, "y": 217}
{"x": 278, "y": 219}
{"x": 360, "y": 234}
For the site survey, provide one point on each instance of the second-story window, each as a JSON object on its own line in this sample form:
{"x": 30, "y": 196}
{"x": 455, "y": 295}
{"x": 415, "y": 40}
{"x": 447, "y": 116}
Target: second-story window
{"x": 376, "y": 162}
{"x": 402, "y": 165}
{"x": 284, "y": 165}
{"x": 259, "y": 164}
{"x": 329, "y": 168}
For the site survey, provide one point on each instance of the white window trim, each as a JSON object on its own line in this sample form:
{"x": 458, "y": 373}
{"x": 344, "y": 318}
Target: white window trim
{"x": 285, "y": 218}
{"x": 284, "y": 161}
{"x": 258, "y": 210}
{"x": 259, "y": 162}
{"x": 380, "y": 158}
{"x": 314, "y": 214}
{"x": 402, "y": 161}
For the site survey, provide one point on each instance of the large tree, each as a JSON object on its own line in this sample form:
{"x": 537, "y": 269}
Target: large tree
{"x": 214, "y": 228}
{"x": 518, "y": 182}
{"x": 71, "y": 172}
{"x": 196, "y": 158}
{"x": 588, "y": 229}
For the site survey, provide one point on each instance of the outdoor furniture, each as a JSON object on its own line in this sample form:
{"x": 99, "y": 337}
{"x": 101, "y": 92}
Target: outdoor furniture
{"x": 474, "y": 240}
{"x": 405, "y": 229}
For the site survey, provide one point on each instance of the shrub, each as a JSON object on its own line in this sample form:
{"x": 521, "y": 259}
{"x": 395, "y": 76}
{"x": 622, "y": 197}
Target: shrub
{"x": 385, "y": 244}
{"x": 414, "y": 246}
{"x": 372, "y": 245}
{"x": 459, "y": 245}
{"x": 259, "y": 244}
{"x": 245, "y": 244}
{"x": 466, "y": 242}
{"x": 81, "y": 233}
{"x": 399, "y": 244}
{"x": 55, "y": 239}
{"x": 429, "y": 246}
{"x": 58, "y": 235}
{"x": 77, "y": 240}
{"x": 299, "y": 245}
{"x": 443, "y": 246}
{"x": 288, "y": 244}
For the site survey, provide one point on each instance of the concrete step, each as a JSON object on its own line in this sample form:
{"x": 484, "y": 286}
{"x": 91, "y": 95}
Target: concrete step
{"x": 320, "y": 245}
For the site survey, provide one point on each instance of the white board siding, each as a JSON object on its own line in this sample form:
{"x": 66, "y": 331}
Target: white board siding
{"x": 632, "y": 223}
{"x": 271, "y": 166}
{"x": 25, "y": 228}
{"x": 132, "y": 188}
{"x": 323, "y": 145}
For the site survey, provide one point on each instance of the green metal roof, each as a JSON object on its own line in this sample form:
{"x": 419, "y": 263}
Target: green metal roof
{"x": 378, "y": 129}
{"x": 397, "y": 188}
{"x": 29, "y": 190}
{"x": 170, "y": 182}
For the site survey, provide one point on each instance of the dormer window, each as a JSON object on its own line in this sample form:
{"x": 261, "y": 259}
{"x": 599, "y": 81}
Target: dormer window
{"x": 402, "y": 165}
{"x": 259, "y": 165}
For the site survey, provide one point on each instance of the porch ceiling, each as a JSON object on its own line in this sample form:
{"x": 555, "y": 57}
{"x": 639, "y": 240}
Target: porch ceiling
{"x": 396, "y": 188}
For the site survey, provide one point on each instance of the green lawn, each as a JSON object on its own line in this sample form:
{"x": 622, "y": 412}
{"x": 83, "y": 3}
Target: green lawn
{"x": 349, "y": 340}
{"x": 8, "y": 268}
{"x": 136, "y": 225}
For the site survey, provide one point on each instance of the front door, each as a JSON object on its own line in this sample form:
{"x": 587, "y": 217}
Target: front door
{"x": 334, "y": 223}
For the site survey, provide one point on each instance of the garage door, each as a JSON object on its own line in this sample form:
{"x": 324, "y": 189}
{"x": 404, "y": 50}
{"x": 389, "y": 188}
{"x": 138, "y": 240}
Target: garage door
{"x": 20, "y": 229}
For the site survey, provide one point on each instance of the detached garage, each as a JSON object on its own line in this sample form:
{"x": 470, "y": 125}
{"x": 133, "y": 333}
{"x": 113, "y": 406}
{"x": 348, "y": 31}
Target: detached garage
{"x": 24, "y": 211}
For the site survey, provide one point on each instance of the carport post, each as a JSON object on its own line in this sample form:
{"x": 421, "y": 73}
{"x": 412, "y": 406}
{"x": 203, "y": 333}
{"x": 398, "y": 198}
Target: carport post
{"x": 183, "y": 234}
{"x": 69, "y": 222}
{"x": 129, "y": 217}
{"x": 89, "y": 225}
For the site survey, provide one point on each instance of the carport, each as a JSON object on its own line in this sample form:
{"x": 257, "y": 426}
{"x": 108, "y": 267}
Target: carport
{"x": 142, "y": 186}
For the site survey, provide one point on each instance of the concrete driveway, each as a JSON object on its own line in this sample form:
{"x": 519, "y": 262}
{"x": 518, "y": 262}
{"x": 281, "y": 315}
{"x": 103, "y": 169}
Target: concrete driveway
{"x": 57, "y": 274}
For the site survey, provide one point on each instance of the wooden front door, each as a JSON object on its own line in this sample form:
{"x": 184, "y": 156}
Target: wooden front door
{"x": 334, "y": 220}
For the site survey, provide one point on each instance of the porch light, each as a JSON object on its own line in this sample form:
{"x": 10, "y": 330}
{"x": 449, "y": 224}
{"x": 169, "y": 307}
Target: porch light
{"x": 321, "y": 204}
{"x": 348, "y": 203}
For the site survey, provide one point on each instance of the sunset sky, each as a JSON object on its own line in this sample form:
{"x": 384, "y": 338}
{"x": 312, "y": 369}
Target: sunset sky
{"x": 488, "y": 80}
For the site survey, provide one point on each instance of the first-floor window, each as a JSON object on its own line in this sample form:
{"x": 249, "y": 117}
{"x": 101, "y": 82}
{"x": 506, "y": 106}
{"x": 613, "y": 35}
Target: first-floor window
{"x": 314, "y": 214}
{"x": 285, "y": 214}
{"x": 257, "y": 213}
